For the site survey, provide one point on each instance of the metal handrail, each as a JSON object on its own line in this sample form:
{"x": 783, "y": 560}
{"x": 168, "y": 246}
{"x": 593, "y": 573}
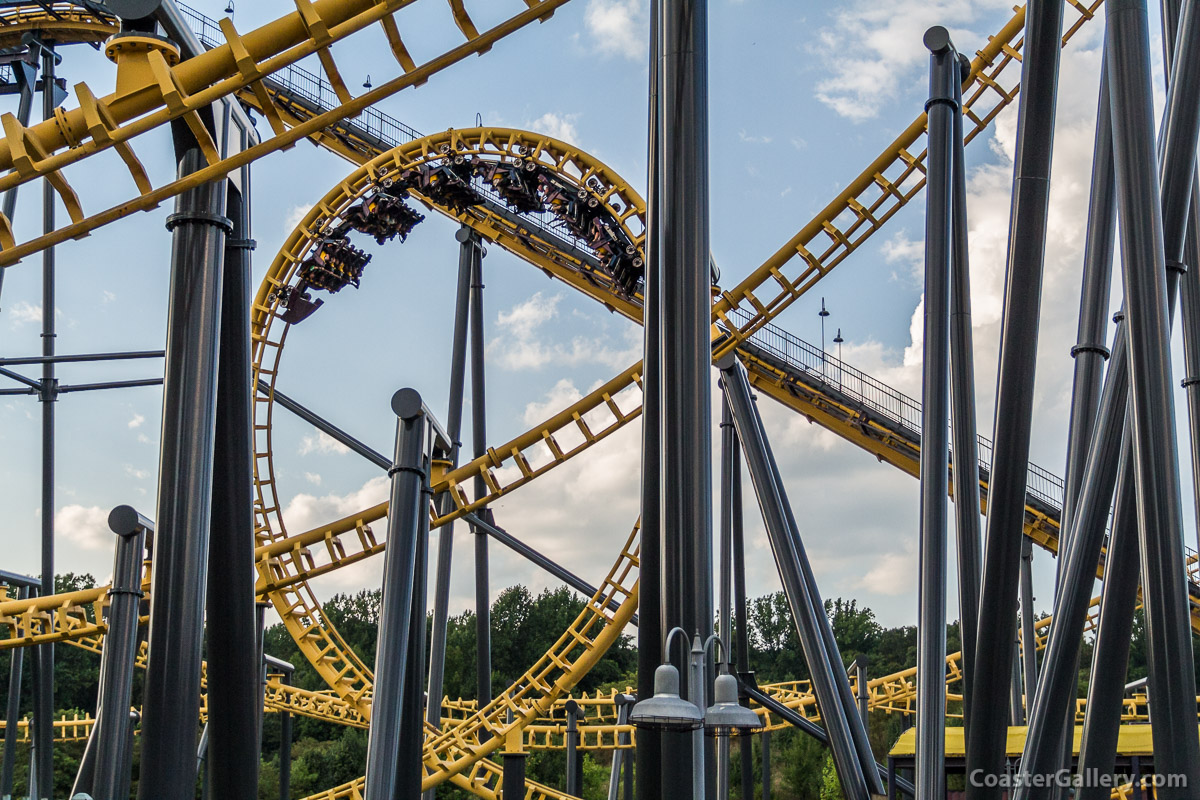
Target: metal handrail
{"x": 879, "y": 398}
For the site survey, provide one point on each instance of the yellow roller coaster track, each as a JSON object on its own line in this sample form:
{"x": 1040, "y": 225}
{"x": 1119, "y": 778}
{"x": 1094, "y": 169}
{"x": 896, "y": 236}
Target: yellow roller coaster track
{"x": 153, "y": 93}
{"x": 889, "y": 183}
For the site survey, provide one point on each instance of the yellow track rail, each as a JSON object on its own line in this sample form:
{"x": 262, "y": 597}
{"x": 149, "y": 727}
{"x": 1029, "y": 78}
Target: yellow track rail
{"x": 154, "y": 93}
{"x": 64, "y": 23}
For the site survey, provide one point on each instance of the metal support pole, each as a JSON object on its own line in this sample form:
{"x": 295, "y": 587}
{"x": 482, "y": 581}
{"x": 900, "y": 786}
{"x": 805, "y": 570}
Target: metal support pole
{"x": 697, "y": 680}
{"x": 1028, "y": 636}
{"x": 574, "y": 778}
{"x": 514, "y": 775}
{"x": 1144, "y": 233}
{"x": 1016, "y": 692}
{"x": 232, "y": 652}
{"x": 285, "y": 748}
{"x": 12, "y": 714}
{"x": 729, "y": 464}
{"x": 120, "y": 651}
{"x": 483, "y": 598}
{"x": 623, "y": 703}
{"x": 765, "y": 745}
{"x": 125, "y": 770}
{"x": 1190, "y": 298}
{"x": 741, "y": 626}
{"x": 681, "y": 259}
{"x": 1110, "y": 656}
{"x": 44, "y": 713}
{"x": 410, "y": 479}
{"x": 987, "y": 734}
{"x": 651, "y": 599}
{"x": 941, "y": 108}
{"x": 412, "y": 732}
{"x": 172, "y": 684}
{"x": 785, "y": 545}
{"x": 861, "y": 663}
{"x": 445, "y": 551}
{"x": 964, "y": 439}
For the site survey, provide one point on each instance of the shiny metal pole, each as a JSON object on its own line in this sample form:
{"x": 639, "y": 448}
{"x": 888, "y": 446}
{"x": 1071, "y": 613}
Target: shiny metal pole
{"x": 171, "y": 704}
{"x": 623, "y": 703}
{"x": 741, "y": 626}
{"x": 410, "y": 478}
{"x": 772, "y": 502}
{"x": 1145, "y": 232}
{"x": 987, "y": 734}
{"x": 1028, "y": 636}
{"x": 12, "y": 714}
{"x": 682, "y": 262}
{"x": 285, "y": 748}
{"x": 111, "y": 734}
{"x": 574, "y": 778}
{"x": 44, "y": 710}
{"x": 650, "y": 631}
{"x": 1110, "y": 653}
{"x": 944, "y": 78}
{"x": 231, "y": 649}
{"x": 412, "y": 731}
{"x": 964, "y": 433}
{"x": 445, "y": 551}
{"x": 483, "y": 597}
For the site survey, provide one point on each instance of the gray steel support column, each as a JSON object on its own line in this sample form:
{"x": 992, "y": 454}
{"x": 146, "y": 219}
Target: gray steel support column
{"x": 171, "y": 702}
{"x": 1110, "y": 655}
{"x": 1014, "y": 393}
{"x": 681, "y": 260}
{"x": 741, "y": 626}
{"x": 619, "y": 757}
{"x": 12, "y": 714}
{"x": 1090, "y": 351}
{"x": 44, "y": 711}
{"x": 1145, "y": 231}
{"x": 1190, "y": 299}
{"x": 111, "y": 734}
{"x": 483, "y": 597}
{"x": 232, "y": 650}
{"x": 650, "y": 632}
{"x": 25, "y": 75}
{"x": 410, "y": 477}
{"x": 125, "y": 771}
{"x": 765, "y": 745}
{"x": 513, "y": 785}
{"x": 285, "y": 748}
{"x": 1028, "y": 636}
{"x": 784, "y": 544}
{"x": 729, "y": 465}
{"x": 445, "y": 551}
{"x": 861, "y": 664}
{"x": 574, "y": 778}
{"x": 1016, "y": 708}
{"x": 941, "y": 108}
{"x": 964, "y": 432}
{"x": 412, "y": 730}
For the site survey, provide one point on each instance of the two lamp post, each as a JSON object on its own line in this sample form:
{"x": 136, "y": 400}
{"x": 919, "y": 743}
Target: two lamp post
{"x": 667, "y": 711}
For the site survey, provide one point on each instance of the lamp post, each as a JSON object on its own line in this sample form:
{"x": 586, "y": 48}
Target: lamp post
{"x": 667, "y": 711}
{"x": 823, "y": 313}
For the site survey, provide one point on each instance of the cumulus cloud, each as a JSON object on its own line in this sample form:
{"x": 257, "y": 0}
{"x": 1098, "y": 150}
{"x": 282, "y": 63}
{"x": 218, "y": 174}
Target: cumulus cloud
{"x": 313, "y": 478}
{"x": 306, "y": 511}
{"x": 85, "y": 527}
{"x": 322, "y": 443}
{"x": 137, "y": 421}
{"x": 524, "y": 344}
{"x": 559, "y": 126}
{"x": 23, "y": 312}
{"x": 886, "y": 41}
{"x": 618, "y": 27}
{"x": 294, "y": 215}
{"x": 139, "y": 474}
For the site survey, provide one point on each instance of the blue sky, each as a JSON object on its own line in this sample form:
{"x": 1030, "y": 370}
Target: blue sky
{"x": 803, "y": 96}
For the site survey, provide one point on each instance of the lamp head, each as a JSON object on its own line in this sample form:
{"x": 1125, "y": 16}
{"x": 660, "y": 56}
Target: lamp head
{"x": 726, "y": 716}
{"x": 666, "y": 710}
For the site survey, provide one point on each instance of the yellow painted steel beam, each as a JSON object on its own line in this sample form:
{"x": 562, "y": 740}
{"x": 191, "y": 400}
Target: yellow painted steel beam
{"x": 61, "y": 23}
{"x": 154, "y": 93}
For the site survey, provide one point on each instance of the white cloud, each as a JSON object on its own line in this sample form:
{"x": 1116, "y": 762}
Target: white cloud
{"x": 524, "y": 345}
{"x": 562, "y": 395}
{"x": 888, "y": 51}
{"x": 107, "y": 297}
{"x": 133, "y": 472}
{"x": 137, "y": 421}
{"x": 322, "y": 443}
{"x": 313, "y": 478}
{"x": 306, "y": 511}
{"x": 23, "y": 312}
{"x": 559, "y": 126}
{"x": 85, "y": 527}
{"x": 618, "y": 27}
{"x": 750, "y": 139}
{"x": 892, "y": 574}
{"x": 294, "y": 216}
